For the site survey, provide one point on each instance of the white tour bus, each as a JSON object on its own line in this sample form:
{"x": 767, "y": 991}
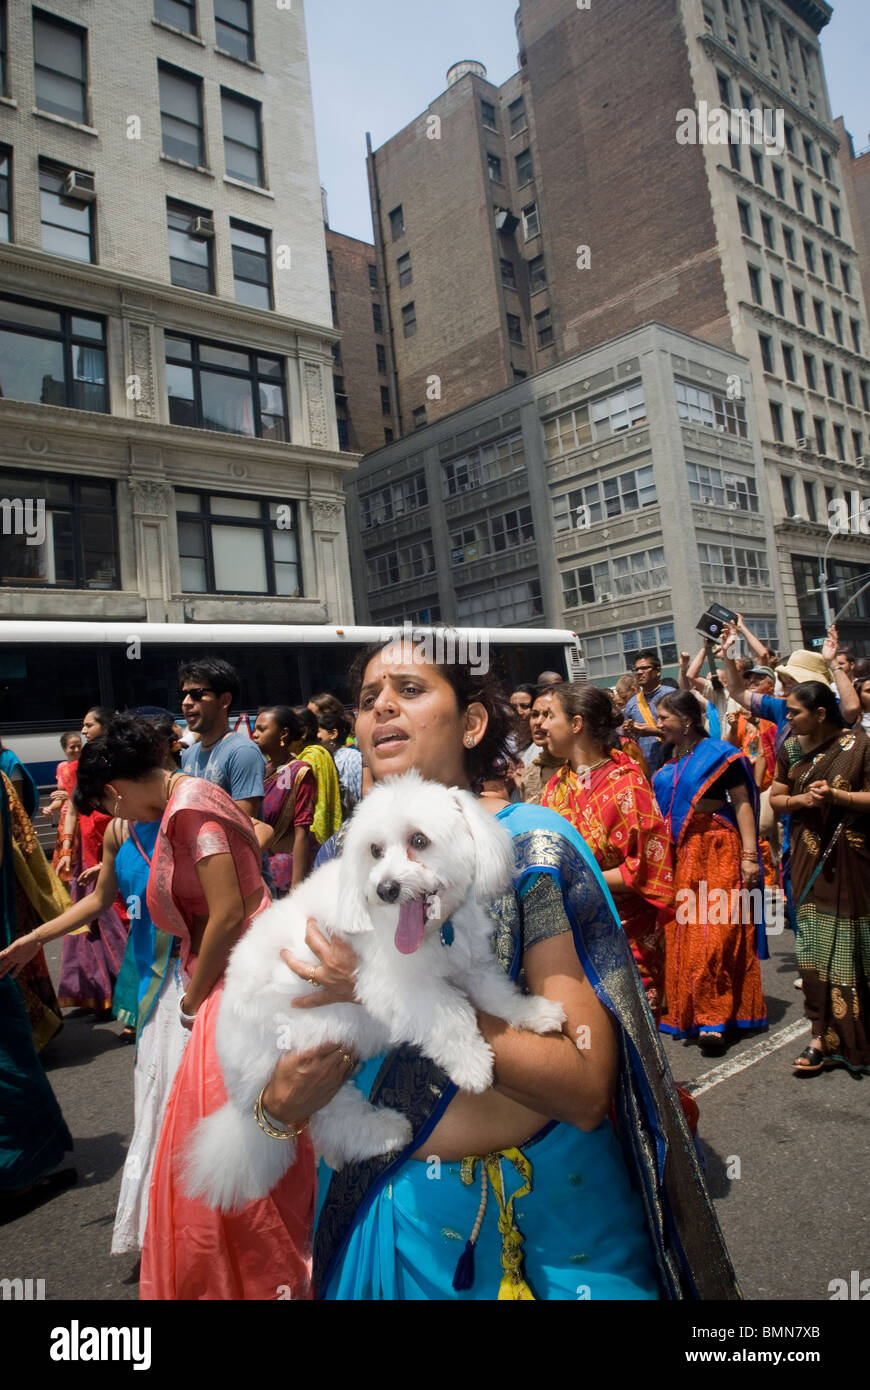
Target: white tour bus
{"x": 52, "y": 673}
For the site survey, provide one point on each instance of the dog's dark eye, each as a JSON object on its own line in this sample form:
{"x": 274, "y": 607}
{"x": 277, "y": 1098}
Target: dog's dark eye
{"x": 419, "y": 841}
{"x": 377, "y": 852}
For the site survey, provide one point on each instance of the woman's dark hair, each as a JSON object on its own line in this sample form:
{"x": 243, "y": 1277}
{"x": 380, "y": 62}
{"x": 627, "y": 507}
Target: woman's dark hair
{"x": 130, "y": 748}
{"x": 595, "y": 707}
{"x": 102, "y": 714}
{"x": 337, "y": 724}
{"x": 530, "y": 690}
{"x": 65, "y": 738}
{"x": 685, "y": 706}
{"x": 813, "y": 695}
{"x": 328, "y": 704}
{"x": 492, "y": 757}
{"x": 291, "y": 719}
{"x": 213, "y": 672}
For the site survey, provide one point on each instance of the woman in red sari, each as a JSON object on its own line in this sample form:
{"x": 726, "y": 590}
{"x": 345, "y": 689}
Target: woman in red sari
{"x": 604, "y": 794}
{"x": 289, "y": 799}
{"x": 205, "y": 885}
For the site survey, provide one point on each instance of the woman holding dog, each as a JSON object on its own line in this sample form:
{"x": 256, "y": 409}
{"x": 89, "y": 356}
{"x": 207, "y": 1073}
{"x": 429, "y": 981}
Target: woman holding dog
{"x": 540, "y": 1149}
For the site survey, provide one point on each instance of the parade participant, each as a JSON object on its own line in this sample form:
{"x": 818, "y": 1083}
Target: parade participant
{"x": 863, "y": 688}
{"x": 548, "y": 678}
{"x": 21, "y": 779}
{"x": 33, "y": 1134}
{"x": 709, "y": 800}
{"x": 308, "y": 748}
{"x": 334, "y": 733}
{"x": 65, "y": 778}
{"x": 823, "y": 783}
{"x": 606, "y": 797}
{"x": 92, "y": 957}
{"x": 204, "y": 886}
{"x": 521, "y": 700}
{"x": 540, "y": 770}
{"x": 209, "y": 689}
{"x": 289, "y": 799}
{"x": 640, "y": 709}
{"x": 385, "y": 1231}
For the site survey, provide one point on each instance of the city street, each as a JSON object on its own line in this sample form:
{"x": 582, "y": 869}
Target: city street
{"x": 787, "y": 1159}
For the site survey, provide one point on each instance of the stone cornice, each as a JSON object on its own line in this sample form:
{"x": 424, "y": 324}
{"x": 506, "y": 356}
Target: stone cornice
{"x": 832, "y": 349}
{"x": 815, "y": 13}
{"x": 784, "y": 209}
{"x": 739, "y": 66}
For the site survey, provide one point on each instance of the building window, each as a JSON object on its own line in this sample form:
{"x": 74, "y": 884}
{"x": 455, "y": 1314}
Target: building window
{"x": 821, "y": 431}
{"x": 336, "y": 356}
{"x": 779, "y": 181}
{"x": 483, "y": 465}
{"x": 778, "y": 295}
{"x": 401, "y": 564}
{"x": 725, "y": 564}
{"x": 382, "y": 357}
{"x": 810, "y": 370}
{"x": 234, "y": 27}
{"x": 757, "y": 174}
{"x": 191, "y": 263}
{"x": 537, "y": 275}
{"x": 343, "y": 430}
{"x": 768, "y": 231}
{"x": 338, "y": 386}
{"x": 809, "y": 152}
{"x": 788, "y": 494}
{"x": 810, "y": 255}
{"x": 711, "y": 408}
{"x": 789, "y": 129}
{"x": 243, "y": 141}
{"x": 517, "y": 114}
{"x": 525, "y": 172}
{"x": 810, "y": 499}
{"x": 531, "y": 222}
{"x": 734, "y": 158}
{"x": 419, "y": 417}
{"x": 405, "y": 269}
{"x": 837, "y": 318}
{"x": 800, "y": 307}
{"x": 373, "y": 277}
{"x": 237, "y": 545}
{"x": 766, "y": 345}
{"x": 858, "y": 445}
{"x": 733, "y": 490}
{"x": 487, "y": 111}
{"x": 52, "y": 356}
{"x": 819, "y": 311}
{"x": 585, "y": 506}
{"x": 798, "y": 194}
{"x": 508, "y": 274}
{"x": 333, "y": 301}
{"x": 544, "y": 328}
{"x": 609, "y": 655}
{"x": 79, "y": 548}
{"x": 67, "y": 223}
{"x": 840, "y": 442}
{"x": 755, "y": 284}
{"x": 745, "y": 212}
{"x": 181, "y": 115}
{"x": 828, "y": 263}
{"x": 865, "y": 393}
{"x": 386, "y": 403}
{"x": 506, "y": 606}
{"x": 181, "y": 14}
{"x": 788, "y": 362}
{"x": 515, "y": 328}
{"x": 819, "y": 209}
{"x": 252, "y": 265}
{"x": 390, "y": 503}
{"x": 799, "y": 426}
{"x": 621, "y": 576}
{"x": 830, "y": 378}
{"x": 606, "y": 416}
{"x": 836, "y": 220}
{"x": 848, "y": 388}
{"x": 518, "y": 374}
{"x": 776, "y": 421}
{"x": 5, "y": 195}
{"x": 724, "y": 87}
{"x": 388, "y": 436}
{"x": 409, "y": 319}
{"x": 493, "y": 164}
{"x": 855, "y": 328}
{"x": 492, "y": 536}
{"x": 60, "y": 67}
{"x": 788, "y": 238}
{"x": 377, "y": 318}
{"x": 846, "y": 272}
{"x": 397, "y": 223}
{"x": 213, "y": 386}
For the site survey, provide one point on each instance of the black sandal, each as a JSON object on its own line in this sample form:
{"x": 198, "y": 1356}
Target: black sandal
{"x": 814, "y": 1059}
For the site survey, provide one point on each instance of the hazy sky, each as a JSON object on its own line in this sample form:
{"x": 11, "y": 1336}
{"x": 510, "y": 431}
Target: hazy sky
{"x": 375, "y": 64}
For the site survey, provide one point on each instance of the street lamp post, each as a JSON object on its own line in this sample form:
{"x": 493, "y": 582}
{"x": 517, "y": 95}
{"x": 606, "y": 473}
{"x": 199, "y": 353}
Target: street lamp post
{"x": 823, "y": 571}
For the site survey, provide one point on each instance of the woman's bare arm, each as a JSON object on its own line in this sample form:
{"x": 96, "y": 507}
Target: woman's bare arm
{"x": 300, "y": 854}
{"x": 227, "y": 913}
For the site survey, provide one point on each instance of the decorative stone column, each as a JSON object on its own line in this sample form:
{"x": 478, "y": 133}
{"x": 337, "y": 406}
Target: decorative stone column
{"x": 152, "y": 503}
{"x": 331, "y": 558}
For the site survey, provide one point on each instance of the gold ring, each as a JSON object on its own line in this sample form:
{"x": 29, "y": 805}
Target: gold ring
{"x": 346, "y": 1057}
{"x": 312, "y": 978}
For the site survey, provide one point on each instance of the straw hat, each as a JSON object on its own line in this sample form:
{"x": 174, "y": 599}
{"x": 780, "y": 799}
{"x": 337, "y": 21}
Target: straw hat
{"x": 806, "y": 666}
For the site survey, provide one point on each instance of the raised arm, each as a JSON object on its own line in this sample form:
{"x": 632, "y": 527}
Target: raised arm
{"x": 754, "y": 643}
{"x": 732, "y": 676}
{"x": 850, "y": 700}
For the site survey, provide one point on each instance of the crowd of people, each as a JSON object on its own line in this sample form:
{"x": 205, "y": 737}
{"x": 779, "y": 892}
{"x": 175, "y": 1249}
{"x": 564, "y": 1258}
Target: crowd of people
{"x": 657, "y": 827}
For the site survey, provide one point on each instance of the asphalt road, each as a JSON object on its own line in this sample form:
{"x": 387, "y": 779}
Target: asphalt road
{"x": 787, "y": 1158}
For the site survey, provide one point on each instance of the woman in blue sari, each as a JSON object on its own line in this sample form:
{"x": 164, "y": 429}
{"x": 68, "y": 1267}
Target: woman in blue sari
{"x": 708, "y": 797}
{"x": 575, "y": 1176}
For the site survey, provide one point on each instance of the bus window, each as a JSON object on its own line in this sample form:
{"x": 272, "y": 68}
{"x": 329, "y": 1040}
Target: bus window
{"x": 48, "y": 684}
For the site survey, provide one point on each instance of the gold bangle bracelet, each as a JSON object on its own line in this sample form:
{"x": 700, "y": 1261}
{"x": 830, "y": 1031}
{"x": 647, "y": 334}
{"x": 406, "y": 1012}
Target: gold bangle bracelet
{"x": 270, "y": 1129}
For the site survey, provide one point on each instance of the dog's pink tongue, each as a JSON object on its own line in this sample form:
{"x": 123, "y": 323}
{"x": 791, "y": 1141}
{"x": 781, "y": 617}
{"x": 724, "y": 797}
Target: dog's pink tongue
{"x": 412, "y": 926}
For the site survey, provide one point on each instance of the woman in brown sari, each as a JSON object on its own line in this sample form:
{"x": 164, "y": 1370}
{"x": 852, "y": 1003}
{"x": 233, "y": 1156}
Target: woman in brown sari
{"x": 823, "y": 783}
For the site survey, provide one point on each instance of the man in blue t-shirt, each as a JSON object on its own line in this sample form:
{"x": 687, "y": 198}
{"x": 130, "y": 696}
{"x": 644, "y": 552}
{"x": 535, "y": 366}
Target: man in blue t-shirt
{"x": 640, "y": 711}
{"x": 209, "y": 689}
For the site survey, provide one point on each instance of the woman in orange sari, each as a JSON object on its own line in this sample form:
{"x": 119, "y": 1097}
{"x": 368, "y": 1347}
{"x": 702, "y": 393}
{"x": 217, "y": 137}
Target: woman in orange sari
{"x": 205, "y": 885}
{"x": 605, "y": 796}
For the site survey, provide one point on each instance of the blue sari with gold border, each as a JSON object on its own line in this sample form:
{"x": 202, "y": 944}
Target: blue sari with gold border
{"x": 673, "y": 1245}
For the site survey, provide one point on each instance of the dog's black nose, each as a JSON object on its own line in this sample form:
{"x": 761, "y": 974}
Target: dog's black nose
{"x": 389, "y": 892}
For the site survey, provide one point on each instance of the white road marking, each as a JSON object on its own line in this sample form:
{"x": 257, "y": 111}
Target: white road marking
{"x": 748, "y": 1058}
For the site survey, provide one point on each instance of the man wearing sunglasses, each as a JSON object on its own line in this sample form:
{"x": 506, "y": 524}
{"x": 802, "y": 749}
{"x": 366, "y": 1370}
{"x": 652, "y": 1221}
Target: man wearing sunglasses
{"x": 209, "y": 689}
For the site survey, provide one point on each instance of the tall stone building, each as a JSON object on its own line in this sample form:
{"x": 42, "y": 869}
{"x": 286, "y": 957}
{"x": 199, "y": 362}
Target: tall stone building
{"x": 363, "y": 398}
{"x": 856, "y": 185}
{"x": 169, "y": 448}
{"x": 517, "y": 226}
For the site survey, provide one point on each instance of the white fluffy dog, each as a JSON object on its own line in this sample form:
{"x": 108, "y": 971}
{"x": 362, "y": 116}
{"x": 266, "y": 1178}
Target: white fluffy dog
{"x": 418, "y": 857}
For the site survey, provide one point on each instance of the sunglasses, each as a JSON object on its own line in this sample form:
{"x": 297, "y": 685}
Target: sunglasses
{"x": 197, "y": 693}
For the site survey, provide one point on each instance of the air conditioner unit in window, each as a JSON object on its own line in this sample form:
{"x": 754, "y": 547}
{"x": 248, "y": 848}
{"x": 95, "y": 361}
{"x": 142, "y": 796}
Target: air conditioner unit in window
{"x": 202, "y": 227}
{"x": 605, "y": 598}
{"x": 505, "y": 221}
{"x": 803, "y": 445}
{"x": 860, "y": 461}
{"x": 82, "y": 188}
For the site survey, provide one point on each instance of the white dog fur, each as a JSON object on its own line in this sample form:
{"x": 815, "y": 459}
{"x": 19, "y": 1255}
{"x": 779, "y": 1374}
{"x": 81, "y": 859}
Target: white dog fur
{"x": 443, "y": 857}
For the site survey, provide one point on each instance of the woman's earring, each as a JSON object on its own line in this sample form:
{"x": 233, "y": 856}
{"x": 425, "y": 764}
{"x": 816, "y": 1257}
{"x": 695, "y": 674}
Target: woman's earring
{"x": 283, "y": 743}
{"x": 116, "y": 809}
{"x": 470, "y": 741}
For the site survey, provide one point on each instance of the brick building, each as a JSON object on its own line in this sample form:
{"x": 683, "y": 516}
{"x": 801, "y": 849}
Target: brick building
{"x": 520, "y": 225}
{"x": 165, "y": 328}
{"x": 363, "y": 398}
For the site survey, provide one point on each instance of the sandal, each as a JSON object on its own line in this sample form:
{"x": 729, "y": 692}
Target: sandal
{"x": 811, "y": 1060}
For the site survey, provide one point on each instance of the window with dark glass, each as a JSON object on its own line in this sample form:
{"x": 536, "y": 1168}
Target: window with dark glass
{"x": 252, "y": 265}
{"x": 836, "y": 220}
{"x": 386, "y": 403}
{"x": 5, "y": 194}
{"x": 243, "y": 141}
{"x": 745, "y": 217}
{"x": 52, "y": 356}
{"x": 846, "y": 273}
{"x": 857, "y": 445}
{"x": 776, "y": 421}
{"x": 333, "y": 300}
{"x": 809, "y": 152}
{"x": 405, "y": 269}
{"x": 766, "y": 345}
{"x": 855, "y": 328}
{"x": 237, "y": 545}
{"x": 798, "y": 421}
{"x": 537, "y": 274}
{"x": 819, "y": 311}
{"x": 181, "y": 115}
{"x": 830, "y": 378}
{"x": 525, "y": 171}
{"x": 757, "y": 171}
{"x": 60, "y": 67}
{"x": 768, "y": 232}
{"x": 810, "y": 255}
{"x": 810, "y": 499}
{"x": 213, "y": 386}
{"x": 778, "y": 295}
{"x": 800, "y": 306}
{"x": 724, "y": 87}
{"x": 531, "y": 221}
{"x": 377, "y": 318}
{"x": 234, "y": 27}
{"x": 487, "y": 111}
{"x": 734, "y": 157}
{"x": 544, "y": 328}
{"x": 789, "y": 242}
{"x": 493, "y": 164}
{"x": 382, "y": 357}
{"x": 373, "y": 276}
{"x": 181, "y": 14}
{"x": 755, "y": 283}
{"x": 838, "y": 326}
{"x": 798, "y": 195}
{"x": 508, "y": 274}
{"x": 848, "y": 388}
{"x": 397, "y": 223}
{"x": 191, "y": 255}
{"x": 788, "y": 495}
{"x": 788, "y": 361}
{"x": 779, "y": 181}
{"x": 73, "y": 522}
{"x": 515, "y": 328}
{"x": 409, "y": 319}
{"x": 810, "y": 370}
{"x": 821, "y": 430}
{"x": 840, "y": 442}
{"x": 420, "y": 417}
{"x": 67, "y": 223}
{"x": 789, "y": 138}
{"x": 517, "y": 114}
{"x": 819, "y": 209}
